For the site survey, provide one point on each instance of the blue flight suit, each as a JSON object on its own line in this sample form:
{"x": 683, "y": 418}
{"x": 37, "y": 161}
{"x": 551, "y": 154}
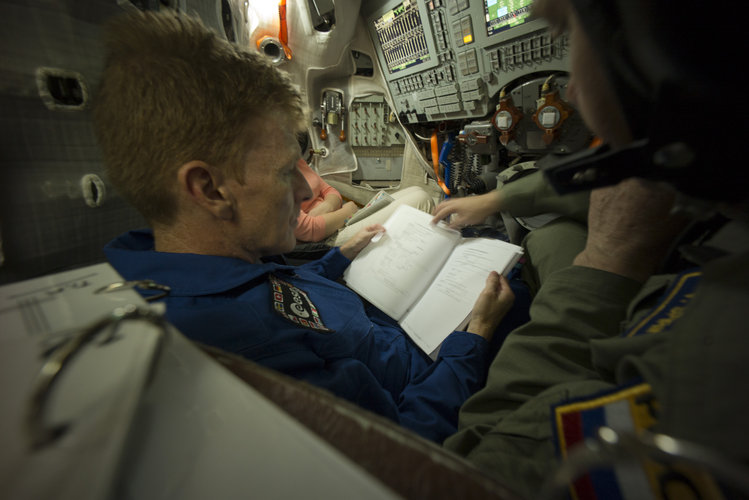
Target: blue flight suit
{"x": 299, "y": 321}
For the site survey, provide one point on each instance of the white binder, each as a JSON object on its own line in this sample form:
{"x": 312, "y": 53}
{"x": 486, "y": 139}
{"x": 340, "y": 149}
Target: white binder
{"x": 140, "y": 413}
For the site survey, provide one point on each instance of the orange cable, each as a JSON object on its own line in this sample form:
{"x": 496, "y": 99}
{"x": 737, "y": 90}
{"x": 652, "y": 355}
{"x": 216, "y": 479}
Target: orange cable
{"x": 436, "y": 163}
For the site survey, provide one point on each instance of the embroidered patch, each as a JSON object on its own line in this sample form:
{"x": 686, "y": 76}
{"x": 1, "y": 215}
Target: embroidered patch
{"x": 628, "y": 409}
{"x": 671, "y": 306}
{"x": 293, "y": 304}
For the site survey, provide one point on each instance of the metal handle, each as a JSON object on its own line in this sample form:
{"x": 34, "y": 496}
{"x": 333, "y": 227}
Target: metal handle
{"x": 39, "y": 434}
{"x": 141, "y": 284}
{"x": 611, "y": 448}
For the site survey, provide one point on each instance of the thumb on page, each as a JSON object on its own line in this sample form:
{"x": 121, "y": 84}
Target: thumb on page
{"x": 356, "y": 243}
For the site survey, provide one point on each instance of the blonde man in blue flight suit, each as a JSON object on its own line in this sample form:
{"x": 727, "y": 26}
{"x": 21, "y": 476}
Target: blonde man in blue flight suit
{"x": 201, "y": 137}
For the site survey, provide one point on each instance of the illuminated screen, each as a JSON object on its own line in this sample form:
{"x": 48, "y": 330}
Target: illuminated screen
{"x": 401, "y": 36}
{"x": 505, "y": 14}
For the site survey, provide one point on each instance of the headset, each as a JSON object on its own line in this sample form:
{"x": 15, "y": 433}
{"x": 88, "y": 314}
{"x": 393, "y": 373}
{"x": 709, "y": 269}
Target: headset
{"x": 670, "y": 65}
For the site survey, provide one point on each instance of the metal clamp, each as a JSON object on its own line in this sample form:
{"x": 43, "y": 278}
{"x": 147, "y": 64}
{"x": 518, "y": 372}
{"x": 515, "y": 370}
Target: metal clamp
{"x": 39, "y": 434}
{"x": 140, "y": 284}
{"x": 611, "y": 448}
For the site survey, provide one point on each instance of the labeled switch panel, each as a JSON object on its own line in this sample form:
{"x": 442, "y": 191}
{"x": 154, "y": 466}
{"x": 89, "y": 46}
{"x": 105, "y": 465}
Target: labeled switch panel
{"x": 376, "y": 138}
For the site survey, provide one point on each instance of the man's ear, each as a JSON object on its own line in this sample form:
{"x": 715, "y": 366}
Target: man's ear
{"x": 204, "y": 186}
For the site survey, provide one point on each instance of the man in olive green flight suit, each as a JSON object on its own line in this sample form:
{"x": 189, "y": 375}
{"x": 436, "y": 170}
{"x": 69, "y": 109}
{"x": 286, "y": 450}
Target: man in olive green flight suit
{"x": 610, "y": 343}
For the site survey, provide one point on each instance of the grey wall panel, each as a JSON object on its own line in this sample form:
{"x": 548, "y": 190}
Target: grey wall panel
{"x": 45, "y": 149}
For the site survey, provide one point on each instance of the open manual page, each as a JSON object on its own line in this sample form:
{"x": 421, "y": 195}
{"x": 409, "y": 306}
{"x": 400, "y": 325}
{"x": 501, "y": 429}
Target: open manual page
{"x": 377, "y": 203}
{"x": 425, "y": 276}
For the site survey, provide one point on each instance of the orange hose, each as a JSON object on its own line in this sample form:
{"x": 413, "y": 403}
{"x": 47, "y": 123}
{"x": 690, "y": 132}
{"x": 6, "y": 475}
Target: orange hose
{"x": 436, "y": 163}
{"x": 283, "y": 33}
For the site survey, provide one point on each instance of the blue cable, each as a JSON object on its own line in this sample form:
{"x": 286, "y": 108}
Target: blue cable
{"x": 447, "y": 147}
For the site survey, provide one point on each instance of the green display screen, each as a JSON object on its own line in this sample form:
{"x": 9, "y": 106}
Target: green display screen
{"x": 505, "y": 14}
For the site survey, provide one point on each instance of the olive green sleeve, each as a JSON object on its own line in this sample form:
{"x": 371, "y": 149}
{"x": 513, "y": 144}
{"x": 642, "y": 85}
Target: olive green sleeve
{"x": 532, "y": 195}
{"x": 506, "y": 426}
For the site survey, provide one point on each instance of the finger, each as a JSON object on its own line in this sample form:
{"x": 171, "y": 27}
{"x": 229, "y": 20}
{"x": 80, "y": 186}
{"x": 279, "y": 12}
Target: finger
{"x": 505, "y": 289}
{"x": 457, "y": 222}
{"x": 494, "y": 283}
{"x": 374, "y": 228}
{"x": 372, "y": 233}
{"x": 442, "y": 211}
{"x": 441, "y": 206}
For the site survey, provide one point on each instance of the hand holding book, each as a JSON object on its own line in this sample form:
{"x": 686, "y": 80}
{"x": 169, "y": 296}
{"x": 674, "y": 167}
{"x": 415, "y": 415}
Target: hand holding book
{"x": 356, "y": 244}
{"x": 494, "y": 301}
{"x": 429, "y": 278}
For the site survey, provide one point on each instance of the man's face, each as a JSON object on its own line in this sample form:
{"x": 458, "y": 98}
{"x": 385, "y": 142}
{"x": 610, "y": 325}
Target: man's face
{"x": 588, "y": 89}
{"x": 269, "y": 199}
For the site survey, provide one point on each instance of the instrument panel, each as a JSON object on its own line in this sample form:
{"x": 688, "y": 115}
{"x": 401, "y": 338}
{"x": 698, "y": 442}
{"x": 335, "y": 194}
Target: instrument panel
{"x": 449, "y": 59}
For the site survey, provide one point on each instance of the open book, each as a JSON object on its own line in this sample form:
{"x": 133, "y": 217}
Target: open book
{"x": 378, "y": 202}
{"x": 425, "y": 276}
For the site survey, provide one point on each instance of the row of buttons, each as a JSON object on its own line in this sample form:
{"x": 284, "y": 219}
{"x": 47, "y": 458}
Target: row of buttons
{"x": 463, "y": 31}
{"x": 438, "y": 23}
{"x": 455, "y": 6}
{"x": 446, "y": 99}
{"x": 409, "y": 84}
{"x": 468, "y": 62}
{"x": 533, "y": 49}
{"x": 426, "y": 79}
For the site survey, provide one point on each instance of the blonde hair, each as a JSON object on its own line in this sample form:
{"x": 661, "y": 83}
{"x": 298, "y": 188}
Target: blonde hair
{"x": 173, "y": 91}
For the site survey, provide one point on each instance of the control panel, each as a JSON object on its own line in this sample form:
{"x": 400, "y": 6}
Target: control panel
{"x": 376, "y": 139}
{"x": 449, "y": 59}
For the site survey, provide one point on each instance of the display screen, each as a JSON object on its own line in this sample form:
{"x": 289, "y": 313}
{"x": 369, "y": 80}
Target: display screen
{"x": 401, "y": 36}
{"x": 505, "y": 14}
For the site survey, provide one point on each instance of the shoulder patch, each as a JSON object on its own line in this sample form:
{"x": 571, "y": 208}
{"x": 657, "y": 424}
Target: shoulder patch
{"x": 670, "y": 307}
{"x": 624, "y": 409}
{"x": 294, "y": 304}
